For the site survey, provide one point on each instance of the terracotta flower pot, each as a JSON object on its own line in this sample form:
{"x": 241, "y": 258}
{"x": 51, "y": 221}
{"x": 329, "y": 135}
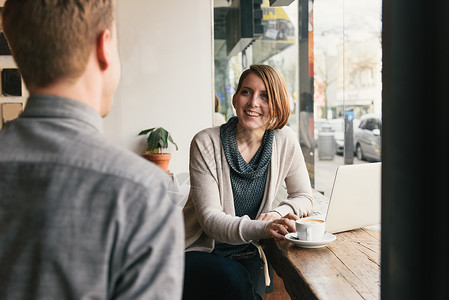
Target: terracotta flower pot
{"x": 160, "y": 160}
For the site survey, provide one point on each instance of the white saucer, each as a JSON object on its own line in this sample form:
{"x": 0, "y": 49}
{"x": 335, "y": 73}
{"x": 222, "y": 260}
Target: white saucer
{"x": 327, "y": 238}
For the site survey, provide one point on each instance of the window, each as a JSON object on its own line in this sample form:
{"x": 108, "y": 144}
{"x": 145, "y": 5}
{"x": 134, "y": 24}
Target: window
{"x": 284, "y": 41}
{"x": 348, "y": 62}
{"x": 329, "y": 52}
{"x": 274, "y": 44}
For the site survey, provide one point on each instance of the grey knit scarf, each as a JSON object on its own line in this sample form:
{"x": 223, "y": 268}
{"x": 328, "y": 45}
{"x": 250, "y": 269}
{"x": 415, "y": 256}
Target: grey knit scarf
{"x": 248, "y": 180}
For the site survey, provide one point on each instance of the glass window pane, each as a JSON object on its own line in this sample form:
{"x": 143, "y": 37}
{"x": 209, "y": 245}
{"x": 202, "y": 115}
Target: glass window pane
{"x": 329, "y": 52}
{"x": 347, "y": 82}
{"x": 275, "y": 45}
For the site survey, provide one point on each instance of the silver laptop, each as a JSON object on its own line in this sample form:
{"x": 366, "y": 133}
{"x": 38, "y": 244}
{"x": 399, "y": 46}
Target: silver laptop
{"x": 355, "y": 200}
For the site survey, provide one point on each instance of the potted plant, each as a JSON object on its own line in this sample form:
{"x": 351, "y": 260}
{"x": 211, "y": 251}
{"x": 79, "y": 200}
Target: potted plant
{"x": 157, "y": 140}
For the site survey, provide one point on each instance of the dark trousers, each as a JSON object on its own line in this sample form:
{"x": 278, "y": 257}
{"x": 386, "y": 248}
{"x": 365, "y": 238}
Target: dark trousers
{"x": 209, "y": 276}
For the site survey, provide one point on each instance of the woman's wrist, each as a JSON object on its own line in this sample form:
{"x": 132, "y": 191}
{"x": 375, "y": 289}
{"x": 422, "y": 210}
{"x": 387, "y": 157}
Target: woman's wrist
{"x": 275, "y": 211}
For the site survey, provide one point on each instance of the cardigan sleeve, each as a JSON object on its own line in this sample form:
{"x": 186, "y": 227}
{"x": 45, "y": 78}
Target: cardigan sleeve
{"x": 293, "y": 168}
{"x": 213, "y": 203}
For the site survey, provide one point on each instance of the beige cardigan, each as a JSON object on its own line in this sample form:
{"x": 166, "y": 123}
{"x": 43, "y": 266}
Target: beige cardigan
{"x": 209, "y": 213}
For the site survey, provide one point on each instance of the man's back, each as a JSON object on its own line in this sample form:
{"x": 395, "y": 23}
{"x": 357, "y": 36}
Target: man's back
{"x": 80, "y": 218}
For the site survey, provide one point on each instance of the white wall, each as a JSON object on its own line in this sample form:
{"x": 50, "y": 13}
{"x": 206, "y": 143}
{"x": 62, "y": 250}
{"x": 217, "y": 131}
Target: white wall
{"x": 167, "y": 73}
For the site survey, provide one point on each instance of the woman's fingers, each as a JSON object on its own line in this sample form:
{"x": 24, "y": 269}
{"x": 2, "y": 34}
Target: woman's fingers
{"x": 288, "y": 224}
{"x": 291, "y": 216}
{"x": 276, "y": 231}
{"x": 279, "y": 227}
{"x": 268, "y": 216}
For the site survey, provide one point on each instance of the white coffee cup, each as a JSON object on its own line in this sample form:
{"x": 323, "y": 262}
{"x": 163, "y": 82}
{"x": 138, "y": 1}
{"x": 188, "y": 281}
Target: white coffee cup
{"x": 310, "y": 229}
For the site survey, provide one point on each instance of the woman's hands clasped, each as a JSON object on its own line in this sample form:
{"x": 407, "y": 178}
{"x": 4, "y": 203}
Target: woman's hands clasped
{"x": 278, "y": 226}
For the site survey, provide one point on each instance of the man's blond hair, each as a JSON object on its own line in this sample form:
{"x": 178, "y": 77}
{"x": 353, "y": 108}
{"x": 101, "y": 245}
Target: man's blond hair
{"x": 52, "y": 39}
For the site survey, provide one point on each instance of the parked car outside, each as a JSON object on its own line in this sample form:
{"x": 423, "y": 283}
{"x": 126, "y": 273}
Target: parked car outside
{"x": 367, "y": 138}
{"x": 338, "y": 126}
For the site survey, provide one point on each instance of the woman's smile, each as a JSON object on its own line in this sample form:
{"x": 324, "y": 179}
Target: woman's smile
{"x": 252, "y": 113}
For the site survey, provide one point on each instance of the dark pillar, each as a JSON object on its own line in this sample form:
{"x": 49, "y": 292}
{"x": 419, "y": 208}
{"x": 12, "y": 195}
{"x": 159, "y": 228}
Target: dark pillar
{"x": 306, "y": 88}
{"x": 349, "y": 137}
{"x": 415, "y": 196}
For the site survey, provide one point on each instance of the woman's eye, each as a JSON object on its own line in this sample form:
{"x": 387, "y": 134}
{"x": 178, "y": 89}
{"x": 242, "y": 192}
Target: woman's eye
{"x": 245, "y": 92}
{"x": 265, "y": 96}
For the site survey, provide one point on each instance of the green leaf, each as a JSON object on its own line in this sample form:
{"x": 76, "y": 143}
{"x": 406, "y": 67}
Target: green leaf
{"x": 146, "y": 131}
{"x": 157, "y": 139}
{"x": 171, "y": 140}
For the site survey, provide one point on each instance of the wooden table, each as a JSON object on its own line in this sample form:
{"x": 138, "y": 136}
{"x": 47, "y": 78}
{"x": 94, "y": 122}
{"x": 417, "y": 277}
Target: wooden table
{"x": 348, "y": 268}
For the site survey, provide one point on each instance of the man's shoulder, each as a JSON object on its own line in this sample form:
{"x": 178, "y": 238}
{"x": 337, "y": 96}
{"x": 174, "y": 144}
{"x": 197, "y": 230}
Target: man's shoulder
{"x": 116, "y": 161}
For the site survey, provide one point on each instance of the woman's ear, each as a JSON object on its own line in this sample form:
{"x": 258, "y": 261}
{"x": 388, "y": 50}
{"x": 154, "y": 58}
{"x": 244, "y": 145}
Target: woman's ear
{"x": 104, "y": 49}
{"x": 233, "y": 100}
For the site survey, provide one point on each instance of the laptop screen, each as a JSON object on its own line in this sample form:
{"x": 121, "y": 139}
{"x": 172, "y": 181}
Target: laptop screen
{"x": 355, "y": 200}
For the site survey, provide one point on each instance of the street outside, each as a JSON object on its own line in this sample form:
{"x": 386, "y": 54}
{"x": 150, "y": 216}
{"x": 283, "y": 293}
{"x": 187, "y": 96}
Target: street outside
{"x": 325, "y": 172}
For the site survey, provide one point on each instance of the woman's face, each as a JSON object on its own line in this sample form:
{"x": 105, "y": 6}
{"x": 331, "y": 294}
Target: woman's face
{"x": 251, "y": 103}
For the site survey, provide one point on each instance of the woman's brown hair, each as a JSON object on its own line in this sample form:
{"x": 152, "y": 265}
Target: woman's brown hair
{"x": 278, "y": 100}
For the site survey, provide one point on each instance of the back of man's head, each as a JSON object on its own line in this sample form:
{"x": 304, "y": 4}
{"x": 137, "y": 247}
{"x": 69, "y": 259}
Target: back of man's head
{"x": 52, "y": 39}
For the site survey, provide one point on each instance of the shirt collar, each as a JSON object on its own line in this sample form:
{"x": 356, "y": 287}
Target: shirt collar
{"x": 50, "y": 106}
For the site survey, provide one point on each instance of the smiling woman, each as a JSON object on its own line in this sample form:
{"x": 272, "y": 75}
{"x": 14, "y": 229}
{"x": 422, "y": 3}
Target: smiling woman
{"x": 235, "y": 171}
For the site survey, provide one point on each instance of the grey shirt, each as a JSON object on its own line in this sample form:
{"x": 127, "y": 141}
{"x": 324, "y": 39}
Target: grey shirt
{"x": 79, "y": 217}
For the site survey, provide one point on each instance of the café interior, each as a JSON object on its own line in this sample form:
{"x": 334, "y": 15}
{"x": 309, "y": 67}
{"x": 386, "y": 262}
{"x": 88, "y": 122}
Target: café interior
{"x": 340, "y": 58}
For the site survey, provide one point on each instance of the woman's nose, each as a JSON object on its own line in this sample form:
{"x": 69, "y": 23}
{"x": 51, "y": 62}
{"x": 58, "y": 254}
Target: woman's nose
{"x": 254, "y": 100}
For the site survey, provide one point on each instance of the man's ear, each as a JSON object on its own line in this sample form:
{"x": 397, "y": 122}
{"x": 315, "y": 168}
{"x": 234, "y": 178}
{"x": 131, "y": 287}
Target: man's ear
{"x": 104, "y": 49}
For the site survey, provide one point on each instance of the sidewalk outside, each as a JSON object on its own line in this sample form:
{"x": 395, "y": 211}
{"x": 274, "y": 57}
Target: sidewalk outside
{"x": 325, "y": 172}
